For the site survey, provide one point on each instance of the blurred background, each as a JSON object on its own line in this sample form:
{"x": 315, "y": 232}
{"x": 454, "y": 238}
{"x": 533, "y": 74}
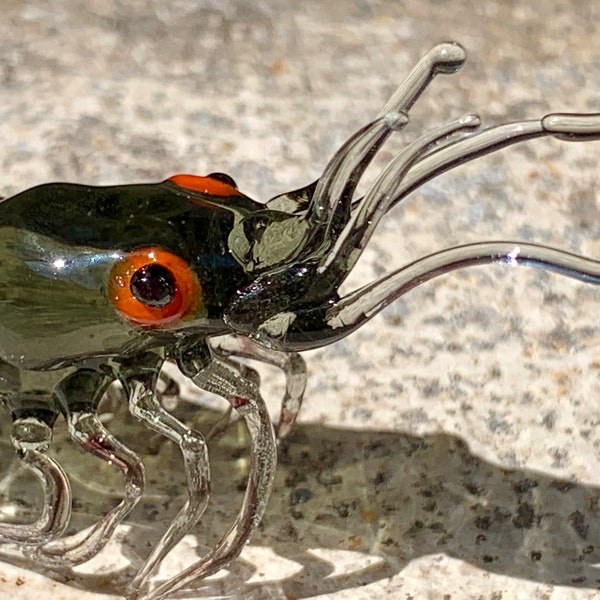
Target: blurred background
{"x": 449, "y": 449}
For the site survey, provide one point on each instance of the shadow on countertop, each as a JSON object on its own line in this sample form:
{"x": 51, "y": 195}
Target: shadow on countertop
{"x": 389, "y": 495}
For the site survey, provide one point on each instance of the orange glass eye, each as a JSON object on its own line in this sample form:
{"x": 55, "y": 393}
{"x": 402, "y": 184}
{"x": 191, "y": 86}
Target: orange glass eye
{"x": 152, "y": 287}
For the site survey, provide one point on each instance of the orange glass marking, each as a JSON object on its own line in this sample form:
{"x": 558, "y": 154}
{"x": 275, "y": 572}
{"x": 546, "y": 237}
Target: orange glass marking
{"x": 188, "y": 292}
{"x": 205, "y": 185}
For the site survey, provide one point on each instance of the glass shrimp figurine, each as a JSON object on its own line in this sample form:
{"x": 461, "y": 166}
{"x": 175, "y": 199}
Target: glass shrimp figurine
{"x": 104, "y": 284}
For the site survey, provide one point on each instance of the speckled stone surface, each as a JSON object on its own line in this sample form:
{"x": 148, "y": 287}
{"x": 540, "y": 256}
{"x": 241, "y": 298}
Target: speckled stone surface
{"x": 448, "y": 449}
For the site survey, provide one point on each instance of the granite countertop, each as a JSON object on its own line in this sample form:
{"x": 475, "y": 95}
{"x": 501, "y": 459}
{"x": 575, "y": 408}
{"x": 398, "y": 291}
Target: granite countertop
{"x": 448, "y": 449}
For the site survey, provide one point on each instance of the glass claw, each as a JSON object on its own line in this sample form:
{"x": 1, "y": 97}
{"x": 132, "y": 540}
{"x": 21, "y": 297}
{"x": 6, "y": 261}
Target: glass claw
{"x": 31, "y": 438}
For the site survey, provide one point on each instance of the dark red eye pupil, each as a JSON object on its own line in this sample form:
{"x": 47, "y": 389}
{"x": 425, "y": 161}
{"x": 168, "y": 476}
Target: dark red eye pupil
{"x": 154, "y": 285}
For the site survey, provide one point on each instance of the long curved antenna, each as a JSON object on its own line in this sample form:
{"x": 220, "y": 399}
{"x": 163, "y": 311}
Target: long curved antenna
{"x": 333, "y": 193}
{"x": 310, "y": 327}
{"x": 563, "y": 126}
{"x": 358, "y": 307}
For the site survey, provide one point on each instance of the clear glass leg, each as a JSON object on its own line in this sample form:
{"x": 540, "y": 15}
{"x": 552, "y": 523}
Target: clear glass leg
{"x": 291, "y": 363}
{"x": 144, "y": 404}
{"x": 223, "y": 378}
{"x": 89, "y": 433}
